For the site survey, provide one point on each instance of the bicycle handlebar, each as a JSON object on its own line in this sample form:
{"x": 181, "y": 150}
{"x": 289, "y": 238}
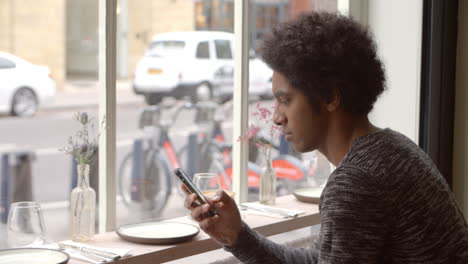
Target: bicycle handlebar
{"x": 177, "y": 109}
{"x": 205, "y": 112}
{"x": 150, "y": 116}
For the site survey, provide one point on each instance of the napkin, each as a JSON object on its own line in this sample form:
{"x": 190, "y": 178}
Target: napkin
{"x": 260, "y": 209}
{"x": 75, "y": 253}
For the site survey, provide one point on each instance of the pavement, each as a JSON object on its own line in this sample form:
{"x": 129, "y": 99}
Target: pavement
{"x": 85, "y": 93}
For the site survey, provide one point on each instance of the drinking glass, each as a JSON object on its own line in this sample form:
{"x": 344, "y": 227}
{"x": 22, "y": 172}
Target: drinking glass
{"x": 208, "y": 183}
{"x": 25, "y": 226}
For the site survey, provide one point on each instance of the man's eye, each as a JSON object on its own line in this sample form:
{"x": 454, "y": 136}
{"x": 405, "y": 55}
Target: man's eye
{"x": 284, "y": 100}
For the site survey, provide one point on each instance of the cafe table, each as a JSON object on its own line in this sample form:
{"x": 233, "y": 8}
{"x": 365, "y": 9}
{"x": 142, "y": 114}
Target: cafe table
{"x": 265, "y": 225}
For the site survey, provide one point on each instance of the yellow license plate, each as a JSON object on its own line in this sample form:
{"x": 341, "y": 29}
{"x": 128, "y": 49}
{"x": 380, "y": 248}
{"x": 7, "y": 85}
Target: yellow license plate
{"x": 154, "y": 71}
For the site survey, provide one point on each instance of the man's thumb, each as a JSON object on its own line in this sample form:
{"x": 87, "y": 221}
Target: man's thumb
{"x": 222, "y": 196}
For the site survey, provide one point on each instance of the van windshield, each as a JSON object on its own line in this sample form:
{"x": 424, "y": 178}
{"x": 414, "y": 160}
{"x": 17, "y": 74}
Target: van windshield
{"x": 166, "y": 48}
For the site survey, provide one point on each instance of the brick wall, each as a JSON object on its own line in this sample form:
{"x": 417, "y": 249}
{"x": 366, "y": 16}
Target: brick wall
{"x": 35, "y": 32}
{"x": 148, "y": 18}
{"x": 5, "y": 25}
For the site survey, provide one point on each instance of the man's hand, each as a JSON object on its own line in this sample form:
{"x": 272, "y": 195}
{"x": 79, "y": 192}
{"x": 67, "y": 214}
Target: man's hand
{"x": 224, "y": 227}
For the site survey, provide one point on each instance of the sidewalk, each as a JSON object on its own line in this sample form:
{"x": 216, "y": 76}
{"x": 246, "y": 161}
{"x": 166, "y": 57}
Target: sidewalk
{"x": 85, "y": 93}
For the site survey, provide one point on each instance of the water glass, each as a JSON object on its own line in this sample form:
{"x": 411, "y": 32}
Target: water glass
{"x": 25, "y": 226}
{"x": 208, "y": 183}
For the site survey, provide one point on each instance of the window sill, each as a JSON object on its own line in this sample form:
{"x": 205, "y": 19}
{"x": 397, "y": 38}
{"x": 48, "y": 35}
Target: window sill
{"x": 267, "y": 226}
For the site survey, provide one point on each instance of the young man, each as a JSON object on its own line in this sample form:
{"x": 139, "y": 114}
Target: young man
{"x": 386, "y": 202}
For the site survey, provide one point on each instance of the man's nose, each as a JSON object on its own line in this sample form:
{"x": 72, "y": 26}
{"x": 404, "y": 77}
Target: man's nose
{"x": 278, "y": 118}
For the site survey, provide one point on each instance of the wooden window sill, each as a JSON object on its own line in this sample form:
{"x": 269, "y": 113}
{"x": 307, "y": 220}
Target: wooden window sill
{"x": 266, "y": 226}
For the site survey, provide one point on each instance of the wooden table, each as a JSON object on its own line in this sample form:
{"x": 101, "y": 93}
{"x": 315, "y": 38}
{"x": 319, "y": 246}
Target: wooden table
{"x": 265, "y": 225}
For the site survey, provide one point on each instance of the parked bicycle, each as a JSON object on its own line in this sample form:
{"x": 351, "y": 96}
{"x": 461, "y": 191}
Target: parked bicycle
{"x": 145, "y": 174}
{"x": 211, "y": 152}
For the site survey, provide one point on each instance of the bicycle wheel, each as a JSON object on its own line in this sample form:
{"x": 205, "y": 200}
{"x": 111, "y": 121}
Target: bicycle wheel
{"x": 147, "y": 192}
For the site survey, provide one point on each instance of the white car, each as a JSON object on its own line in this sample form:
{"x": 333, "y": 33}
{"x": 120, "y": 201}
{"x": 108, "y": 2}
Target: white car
{"x": 23, "y": 86}
{"x": 198, "y": 64}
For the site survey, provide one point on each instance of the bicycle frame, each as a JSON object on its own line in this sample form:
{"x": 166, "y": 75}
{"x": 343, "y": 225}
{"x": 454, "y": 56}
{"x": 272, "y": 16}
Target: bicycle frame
{"x": 166, "y": 143}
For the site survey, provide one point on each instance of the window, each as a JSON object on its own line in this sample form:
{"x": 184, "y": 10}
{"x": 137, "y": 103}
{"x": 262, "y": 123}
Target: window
{"x": 151, "y": 139}
{"x": 6, "y": 64}
{"x": 63, "y": 78}
{"x": 156, "y": 133}
{"x": 166, "y": 48}
{"x": 203, "y": 50}
{"x": 223, "y": 49}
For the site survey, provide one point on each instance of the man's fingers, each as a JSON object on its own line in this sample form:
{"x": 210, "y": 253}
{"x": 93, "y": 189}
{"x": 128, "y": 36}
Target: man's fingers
{"x": 221, "y": 197}
{"x": 200, "y": 212}
{"x": 186, "y": 191}
{"x": 208, "y": 222}
{"x": 219, "y": 205}
{"x": 189, "y": 201}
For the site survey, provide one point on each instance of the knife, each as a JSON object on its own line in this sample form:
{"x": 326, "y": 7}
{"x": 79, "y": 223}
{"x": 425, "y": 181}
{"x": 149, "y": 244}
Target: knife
{"x": 270, "y": 210}
{"x": 92, "y": 251}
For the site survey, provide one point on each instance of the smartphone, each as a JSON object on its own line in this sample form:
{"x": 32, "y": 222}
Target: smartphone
{"x": 193, "y": 189}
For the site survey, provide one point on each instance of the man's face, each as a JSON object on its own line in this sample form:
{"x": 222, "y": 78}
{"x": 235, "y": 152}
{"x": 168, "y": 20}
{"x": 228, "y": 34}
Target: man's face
{"x": 302, "y": 125}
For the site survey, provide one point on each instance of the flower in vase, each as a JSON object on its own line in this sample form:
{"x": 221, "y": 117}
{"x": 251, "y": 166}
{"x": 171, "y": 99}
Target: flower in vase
{"x": 82, "y": 146}
{"x": 264, "y": 133}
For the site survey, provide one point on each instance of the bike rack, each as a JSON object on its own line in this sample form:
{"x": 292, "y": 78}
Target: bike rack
{"x": 15, "y": 180}
{"x": 193, "y": 155}
{"x": 138, "y": 162}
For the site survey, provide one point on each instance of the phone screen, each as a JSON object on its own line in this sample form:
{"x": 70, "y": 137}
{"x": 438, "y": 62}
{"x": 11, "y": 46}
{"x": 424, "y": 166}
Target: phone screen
{"x": 193, "y": 189}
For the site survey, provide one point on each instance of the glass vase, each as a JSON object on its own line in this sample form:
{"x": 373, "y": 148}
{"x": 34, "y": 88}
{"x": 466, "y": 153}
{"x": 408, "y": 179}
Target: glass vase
{"x": 83, "y": 207}
{"x": 268, "y": 184}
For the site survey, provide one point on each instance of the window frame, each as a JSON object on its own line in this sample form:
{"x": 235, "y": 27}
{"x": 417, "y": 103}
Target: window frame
{"x": 107, "y": 112}
{"x": 108, "y": 101}
{"x": 438, "y": 70}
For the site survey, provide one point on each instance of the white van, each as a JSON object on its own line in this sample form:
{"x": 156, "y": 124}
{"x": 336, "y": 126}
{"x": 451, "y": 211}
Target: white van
{"x": 198, "y": 64}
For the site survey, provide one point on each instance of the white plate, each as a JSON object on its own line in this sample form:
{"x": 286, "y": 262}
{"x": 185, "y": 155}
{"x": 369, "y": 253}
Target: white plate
{"x": 158, "y": 232}
{"x": 33, "y": 255}
{"x": 309, "y": 194}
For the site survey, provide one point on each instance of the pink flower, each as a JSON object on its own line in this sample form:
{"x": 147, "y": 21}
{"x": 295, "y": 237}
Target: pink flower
{"x": 263, "y": 112}
{"x": 253, "y": 131}
{"x": 263, "y": 121}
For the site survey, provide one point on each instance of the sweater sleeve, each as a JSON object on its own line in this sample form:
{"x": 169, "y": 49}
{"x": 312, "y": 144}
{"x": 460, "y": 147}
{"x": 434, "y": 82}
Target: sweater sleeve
{"x": 353, "y": 227}
{"x": 254, "y": 248}
{"x": 354, "y": 223}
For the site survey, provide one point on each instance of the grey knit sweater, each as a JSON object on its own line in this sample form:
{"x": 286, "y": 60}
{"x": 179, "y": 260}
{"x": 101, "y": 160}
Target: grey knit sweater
{"x": 385, "y": 203}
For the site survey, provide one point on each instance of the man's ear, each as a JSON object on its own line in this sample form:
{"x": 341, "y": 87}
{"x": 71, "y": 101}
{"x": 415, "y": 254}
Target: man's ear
{"x": 334, "y": 102}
